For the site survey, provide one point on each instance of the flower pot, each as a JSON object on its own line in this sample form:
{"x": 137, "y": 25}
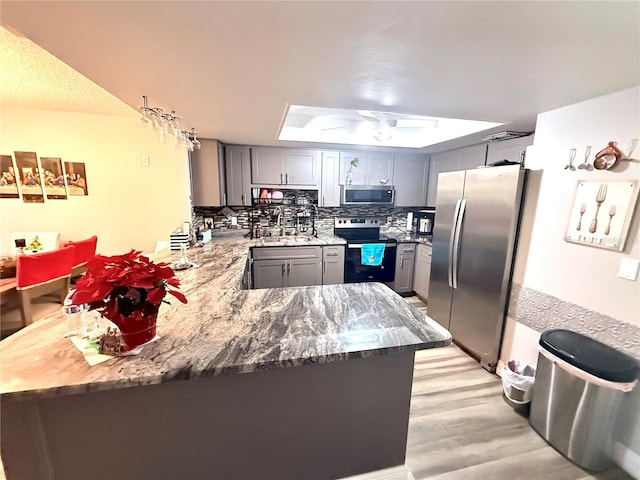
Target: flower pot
{"x": 136, "y": 332}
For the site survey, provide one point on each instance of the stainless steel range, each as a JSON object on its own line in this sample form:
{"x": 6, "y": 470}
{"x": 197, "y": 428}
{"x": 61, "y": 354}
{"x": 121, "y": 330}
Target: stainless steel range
{"x": 358, "y": 231}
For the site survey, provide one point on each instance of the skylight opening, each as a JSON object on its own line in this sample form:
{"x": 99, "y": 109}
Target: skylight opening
{"x": 366, "y": 127}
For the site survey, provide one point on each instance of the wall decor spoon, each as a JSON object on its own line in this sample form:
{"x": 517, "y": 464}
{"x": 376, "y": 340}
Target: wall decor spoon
{"x": 572, "y": 155}
{"x": 586, "y": 165}
{"x": 612, "y": 212}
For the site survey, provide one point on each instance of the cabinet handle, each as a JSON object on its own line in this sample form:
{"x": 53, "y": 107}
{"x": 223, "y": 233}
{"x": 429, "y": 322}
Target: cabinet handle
{"x": 332, "y": 254}
{"x": 224, "y": 198}
{"x": 286, "y": 176}
{"x": 324, "y": 267}
{"x": 284, "y": 266}
{"x": 281, "y": 182}
{"x": 402, "y": 263}
{"x": 243, "y": 199}
{"x": 289, "y": 267}
{"x": 323, "y": 200}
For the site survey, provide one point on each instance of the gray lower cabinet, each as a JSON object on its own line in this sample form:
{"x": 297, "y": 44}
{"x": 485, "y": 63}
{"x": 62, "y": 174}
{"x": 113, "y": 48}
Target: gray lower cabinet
{"x": 405, "y": 259}
{"x": 422, "y": 271}
{"x": 275, "y": 267}
{"x": 333, "y": 265}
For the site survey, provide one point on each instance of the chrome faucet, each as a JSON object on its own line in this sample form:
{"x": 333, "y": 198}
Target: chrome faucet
{"x": 279, "y": 223}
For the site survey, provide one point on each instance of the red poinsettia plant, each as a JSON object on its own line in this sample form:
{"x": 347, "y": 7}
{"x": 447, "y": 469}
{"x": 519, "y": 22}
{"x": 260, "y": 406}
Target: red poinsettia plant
{"x": 128, "y": 285}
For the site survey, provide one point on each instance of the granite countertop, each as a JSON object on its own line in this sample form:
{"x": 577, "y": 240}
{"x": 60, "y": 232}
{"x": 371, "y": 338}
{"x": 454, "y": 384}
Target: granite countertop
{"x": 403, "y": 236}
{"x": 224, "y": 330}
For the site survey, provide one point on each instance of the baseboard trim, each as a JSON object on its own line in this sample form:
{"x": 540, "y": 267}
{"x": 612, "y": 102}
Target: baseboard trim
{"x": 401, "y": 472}
{"x": 626, "y": 459}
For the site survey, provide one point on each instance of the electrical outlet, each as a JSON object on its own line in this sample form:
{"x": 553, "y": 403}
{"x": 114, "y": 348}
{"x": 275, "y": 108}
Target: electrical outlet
{"x": 628, "y": 269}
{"x": 234, "y": 220}
{"x": 145, "y": 160}
{"x": 389, "y": 219}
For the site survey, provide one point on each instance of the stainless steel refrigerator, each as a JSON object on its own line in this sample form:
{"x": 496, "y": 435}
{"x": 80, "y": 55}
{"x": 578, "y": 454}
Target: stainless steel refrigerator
{"x": 474, "y": 238}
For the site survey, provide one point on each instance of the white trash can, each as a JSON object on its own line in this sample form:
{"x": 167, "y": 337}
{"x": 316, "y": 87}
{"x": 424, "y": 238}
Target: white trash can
{"x": 517, "y": 381}
{"x": 579, "y": 385}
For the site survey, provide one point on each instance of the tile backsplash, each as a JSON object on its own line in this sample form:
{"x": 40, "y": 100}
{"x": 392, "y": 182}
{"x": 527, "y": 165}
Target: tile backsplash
{"x": 324, "y": 220}
{"x": 541, "y": 311}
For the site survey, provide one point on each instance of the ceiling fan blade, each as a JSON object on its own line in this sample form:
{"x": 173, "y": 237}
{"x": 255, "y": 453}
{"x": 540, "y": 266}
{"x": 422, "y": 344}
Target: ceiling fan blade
{"x": 368, "y": 116}
{"x": 341, "y": 126}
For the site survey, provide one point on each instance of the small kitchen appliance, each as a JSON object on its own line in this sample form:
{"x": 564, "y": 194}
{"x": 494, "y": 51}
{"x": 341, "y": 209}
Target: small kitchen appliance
{"x": 359, "y": 231}
{"x": 367, "y": 195}
{"x": 425, "y": 219}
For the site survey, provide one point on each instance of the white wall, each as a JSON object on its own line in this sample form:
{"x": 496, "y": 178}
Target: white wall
{"x": 583, "y": 275}
{"x": 129, "y": 205}
{"x": 579, "y": 274}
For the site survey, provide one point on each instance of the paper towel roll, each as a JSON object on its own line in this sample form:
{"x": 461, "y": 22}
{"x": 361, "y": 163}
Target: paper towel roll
{"x": 409, "y": 221}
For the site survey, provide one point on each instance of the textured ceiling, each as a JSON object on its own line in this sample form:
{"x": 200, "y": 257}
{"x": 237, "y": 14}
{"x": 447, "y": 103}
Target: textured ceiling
{"x": 230, "y": 68}
{"x": 31, "y": 77}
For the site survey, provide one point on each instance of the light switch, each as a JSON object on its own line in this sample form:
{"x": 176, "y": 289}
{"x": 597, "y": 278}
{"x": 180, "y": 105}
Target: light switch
{"x": 628, "y": 268}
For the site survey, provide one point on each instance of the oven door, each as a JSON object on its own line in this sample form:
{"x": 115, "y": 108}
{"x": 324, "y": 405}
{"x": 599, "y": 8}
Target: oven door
{"x": 355, "y": 271}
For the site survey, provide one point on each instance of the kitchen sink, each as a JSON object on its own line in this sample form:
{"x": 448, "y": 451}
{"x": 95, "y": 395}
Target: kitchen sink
{"x": 292, "y": 239}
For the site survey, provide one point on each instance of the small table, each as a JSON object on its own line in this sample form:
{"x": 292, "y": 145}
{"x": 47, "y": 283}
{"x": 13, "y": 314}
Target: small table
{"x": 7, "y": 284}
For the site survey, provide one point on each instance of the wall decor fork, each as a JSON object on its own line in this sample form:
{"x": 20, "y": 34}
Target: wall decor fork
{"x": 600, "y": 198}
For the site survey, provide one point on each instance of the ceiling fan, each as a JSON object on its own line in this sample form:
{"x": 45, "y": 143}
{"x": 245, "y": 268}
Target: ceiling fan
{"x": 381, "y": 124}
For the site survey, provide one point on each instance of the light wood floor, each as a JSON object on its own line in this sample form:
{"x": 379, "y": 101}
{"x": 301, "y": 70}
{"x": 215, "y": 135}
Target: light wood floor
{"x": 460, "y": 427}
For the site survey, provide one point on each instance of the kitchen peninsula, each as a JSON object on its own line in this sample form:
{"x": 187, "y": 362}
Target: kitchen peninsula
{"x": 308, "y": 382}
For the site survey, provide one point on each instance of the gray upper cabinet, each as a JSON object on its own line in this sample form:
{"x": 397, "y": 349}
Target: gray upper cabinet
{"x": 439, "y": 162}
{"x": 279, "y": 166}
{"x": 205, "y": 174}
{"x": 410, "y": 178}
{"x": 302, "y": 167}
{"x": 472, "y": 157}
{"x": 512, "y": 150}
{"x": 372, "y": 169}
{"x": 452, "y": 160}
{"x": 330, "y": 180}
{"x": 237, "y": 164}
{"x": 267, "y": 165}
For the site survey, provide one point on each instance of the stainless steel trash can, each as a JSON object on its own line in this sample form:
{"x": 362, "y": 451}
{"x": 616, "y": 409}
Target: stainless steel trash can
{"x": 578, "y": 388}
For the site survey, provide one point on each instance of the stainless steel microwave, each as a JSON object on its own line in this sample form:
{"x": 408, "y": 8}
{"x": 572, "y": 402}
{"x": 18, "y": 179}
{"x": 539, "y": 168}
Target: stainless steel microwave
{"x": 367, "y": 195}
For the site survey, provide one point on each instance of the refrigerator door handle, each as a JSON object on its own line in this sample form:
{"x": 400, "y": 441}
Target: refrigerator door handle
{"x": 456, "y": 243}
{"x": 454, "y": 228}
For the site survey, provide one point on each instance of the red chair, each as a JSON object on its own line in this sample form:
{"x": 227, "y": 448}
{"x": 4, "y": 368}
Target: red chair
{"x": 41, "y": 274}
{"x": 85, "y": 251}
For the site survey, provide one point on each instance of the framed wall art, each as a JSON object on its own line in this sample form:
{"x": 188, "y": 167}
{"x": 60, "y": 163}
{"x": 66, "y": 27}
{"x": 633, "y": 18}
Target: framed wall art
{"x": 29, "y": 177}
{"x": 601, "y": 213}
{"x": 76, "y": 178}
{"x": 54, "y": 186}
{"x": 8, "y": 180}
